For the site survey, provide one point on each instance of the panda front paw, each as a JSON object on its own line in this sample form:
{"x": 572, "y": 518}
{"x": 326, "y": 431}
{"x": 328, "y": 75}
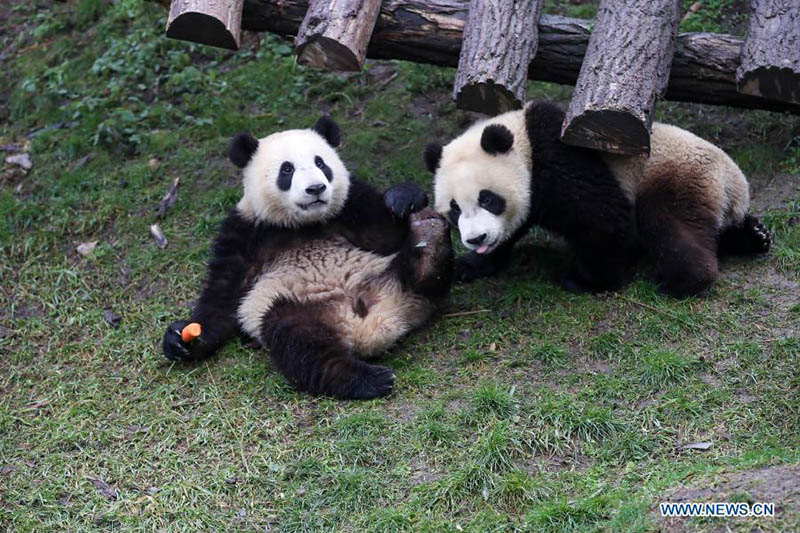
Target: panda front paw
{"x": 571, "y": 283}
{"x": 404, "y": 199}
{"x": 174, "y": 347}
{"x": 472, "y": 266}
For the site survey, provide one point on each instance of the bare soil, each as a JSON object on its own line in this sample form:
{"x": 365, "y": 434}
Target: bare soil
{"x": 774, "y": 484}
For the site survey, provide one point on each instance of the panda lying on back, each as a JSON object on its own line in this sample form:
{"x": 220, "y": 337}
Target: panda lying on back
{"x": 317, "y": 266}
{"x": 683, "y": 205}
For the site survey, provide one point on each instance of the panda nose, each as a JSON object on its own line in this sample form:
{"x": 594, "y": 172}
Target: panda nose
{"x": 316, "y": 190}
{"x": 477, "y": 240}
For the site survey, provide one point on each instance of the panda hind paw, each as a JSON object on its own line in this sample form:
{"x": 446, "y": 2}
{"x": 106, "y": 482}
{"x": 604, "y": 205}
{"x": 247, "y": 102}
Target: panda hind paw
{"x": 762, "y": 240}
{"x": 375, "y": 382}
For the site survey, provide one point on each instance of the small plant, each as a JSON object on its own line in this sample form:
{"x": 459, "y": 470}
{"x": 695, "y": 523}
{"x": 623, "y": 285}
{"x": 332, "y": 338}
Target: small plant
{"x": 661, "y": 368}
{"x": 492, "y": 399}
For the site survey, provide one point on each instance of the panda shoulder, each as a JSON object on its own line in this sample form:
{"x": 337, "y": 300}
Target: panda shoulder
{"x": 543, "y": 122}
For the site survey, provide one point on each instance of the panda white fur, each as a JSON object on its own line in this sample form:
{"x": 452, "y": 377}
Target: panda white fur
{"x": 322, "y": 269}
{"x": 683, "y": 205}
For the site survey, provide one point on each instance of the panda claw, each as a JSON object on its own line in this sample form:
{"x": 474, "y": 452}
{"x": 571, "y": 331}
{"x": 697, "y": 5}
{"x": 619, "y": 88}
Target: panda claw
{"x": 173, "y": 346}
{"x": 376, "y": 382}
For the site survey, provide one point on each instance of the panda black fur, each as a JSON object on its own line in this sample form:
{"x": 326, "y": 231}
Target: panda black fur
{"x": 683, "y": 205}
{"x": 320, "y": 268}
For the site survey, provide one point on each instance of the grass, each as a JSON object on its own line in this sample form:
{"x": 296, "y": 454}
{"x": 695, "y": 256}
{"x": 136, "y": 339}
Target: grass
{"x": 547, "y": 411}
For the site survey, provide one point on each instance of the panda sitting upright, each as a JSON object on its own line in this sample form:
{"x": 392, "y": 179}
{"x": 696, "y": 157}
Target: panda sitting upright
{"x": 319, "y": 267}
{"x": 683, "y": 205}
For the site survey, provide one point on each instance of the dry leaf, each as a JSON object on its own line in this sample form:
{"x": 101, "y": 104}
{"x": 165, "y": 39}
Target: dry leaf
{"x": 169, "y": 199}
{"x": 105, "y": 489}
{"x": 85, "y": 248}
{"x": 80, "y": 162}
{"x": 694, "y": 8}
{"x": 22, "y": 160}
{"x": 697, "y": 446}
{"x": 37, "y": 405}
{"x": 111, "y": 317}
{"x": 158, "y": 235}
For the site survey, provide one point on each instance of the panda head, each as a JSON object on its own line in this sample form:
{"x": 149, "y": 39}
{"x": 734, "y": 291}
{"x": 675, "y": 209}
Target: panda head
{"x": 482, "y": 180}
{"x": 292, "y": 178}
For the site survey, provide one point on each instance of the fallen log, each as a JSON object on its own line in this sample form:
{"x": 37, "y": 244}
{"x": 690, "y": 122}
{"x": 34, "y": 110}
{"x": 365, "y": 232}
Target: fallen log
{"x": 625, "y": 69}
{"x": 212, "y": 22}
{"x": 334, "y": 33}
{"x": 500, "y": 39}
{"x": 430, "y": 31}
{"x": 771, "y": 54}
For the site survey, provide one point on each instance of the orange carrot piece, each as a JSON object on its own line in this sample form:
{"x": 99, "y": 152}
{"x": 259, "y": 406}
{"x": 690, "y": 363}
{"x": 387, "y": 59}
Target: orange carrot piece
{"x": 191, "y": 332}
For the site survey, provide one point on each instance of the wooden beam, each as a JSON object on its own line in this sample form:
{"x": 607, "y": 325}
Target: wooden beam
{"x": 334, "y": 33}
{"x": 430, "y": 31}
{"x": 625, "y": 69}
{"x": 212, "y": 22}
{"x": 771, "y": 54}
{"x": 500, "y": 39}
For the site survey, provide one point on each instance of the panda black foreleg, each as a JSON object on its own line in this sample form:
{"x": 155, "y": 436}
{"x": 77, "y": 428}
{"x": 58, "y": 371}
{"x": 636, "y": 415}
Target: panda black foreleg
{"x": 306, "y": 349}
{"x": 599, "y": 266}
{"x": 376, "y": 221}
{"x": 216, "y": 308}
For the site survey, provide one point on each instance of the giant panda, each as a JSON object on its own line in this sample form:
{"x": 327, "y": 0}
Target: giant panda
{"x": 683, "y": 205}
{"x": 321, "y": 269}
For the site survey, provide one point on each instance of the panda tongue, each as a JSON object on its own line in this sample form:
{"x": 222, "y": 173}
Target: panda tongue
{"x": 482, "y": 250}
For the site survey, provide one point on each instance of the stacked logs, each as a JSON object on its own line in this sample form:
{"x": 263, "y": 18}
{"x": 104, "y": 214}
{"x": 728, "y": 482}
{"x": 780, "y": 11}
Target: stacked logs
{"x": 632, "y": 58}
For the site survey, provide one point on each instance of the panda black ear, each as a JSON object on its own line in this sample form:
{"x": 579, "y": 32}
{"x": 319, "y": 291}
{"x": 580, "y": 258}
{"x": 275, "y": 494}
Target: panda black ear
{"x": 497, "y": 139}
{"x": 433, "y": 156}
{"x": 326, "y": 127}
{"x": 242, "y": 148}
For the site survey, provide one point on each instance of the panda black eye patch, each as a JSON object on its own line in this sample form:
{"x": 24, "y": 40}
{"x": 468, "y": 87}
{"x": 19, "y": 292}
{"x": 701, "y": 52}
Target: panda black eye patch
{"x": 324, "y": 168}
{"x": 285, "y": 176}
{"x": 455, "y": 212}
{"x": 492, "y": 202}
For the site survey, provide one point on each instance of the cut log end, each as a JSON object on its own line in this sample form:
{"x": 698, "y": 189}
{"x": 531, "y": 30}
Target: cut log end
{"x": 202, "y": 28}
{"x": 772, "y": 82}
{"x": 610, "y": 131}
{"x": 322, "y": 52}
{"x": 488, "y": 97}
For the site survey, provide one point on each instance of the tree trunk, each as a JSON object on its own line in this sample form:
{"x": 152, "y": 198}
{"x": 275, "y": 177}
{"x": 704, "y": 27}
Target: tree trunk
{"x": 429, "y": 31}
{"x": 500, "y": 39}
{"x": 212, "y": 22}
{"x": 771, "y": 54}
{"x": 625, "y": 69}
{"x": 334, "y": 33}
